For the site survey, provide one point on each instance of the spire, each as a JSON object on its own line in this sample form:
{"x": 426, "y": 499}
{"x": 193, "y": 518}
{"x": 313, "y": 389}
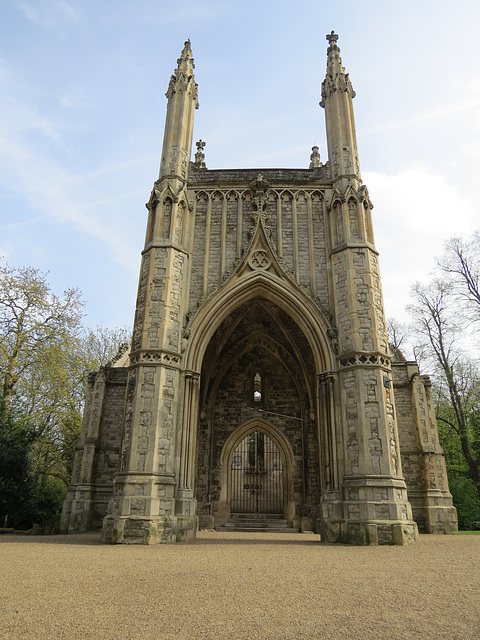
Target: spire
{"x": 182, "y": 94}
{"x": 336, "y": 78}
{"x": 185, "y": 62}
{"x": 337, "y": 96}
{"x": 183, "y": 74}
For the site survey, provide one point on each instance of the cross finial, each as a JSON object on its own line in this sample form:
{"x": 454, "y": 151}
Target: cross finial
{"x": 332, "y": 38}
{"x": 200, "y": 156}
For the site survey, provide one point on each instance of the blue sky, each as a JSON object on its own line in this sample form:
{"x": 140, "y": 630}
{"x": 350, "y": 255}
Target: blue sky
{"x": 82, "y": 108}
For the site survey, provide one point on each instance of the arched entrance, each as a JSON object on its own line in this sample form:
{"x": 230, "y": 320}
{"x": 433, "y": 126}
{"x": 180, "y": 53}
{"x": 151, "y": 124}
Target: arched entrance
{"x": 258, "y": 355}
{"x": 256, "y": 476}
{"x": 257, "y": 471}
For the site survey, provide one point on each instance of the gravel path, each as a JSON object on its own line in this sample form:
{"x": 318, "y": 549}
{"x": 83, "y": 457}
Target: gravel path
{"x": 234, "y": 585}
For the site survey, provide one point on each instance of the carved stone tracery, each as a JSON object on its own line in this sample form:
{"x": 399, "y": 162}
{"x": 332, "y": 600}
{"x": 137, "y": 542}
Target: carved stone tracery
{"x": 259, "y": 259}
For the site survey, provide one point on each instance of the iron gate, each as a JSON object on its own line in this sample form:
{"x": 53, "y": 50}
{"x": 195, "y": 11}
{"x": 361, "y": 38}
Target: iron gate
{"x": 256, "y": 480}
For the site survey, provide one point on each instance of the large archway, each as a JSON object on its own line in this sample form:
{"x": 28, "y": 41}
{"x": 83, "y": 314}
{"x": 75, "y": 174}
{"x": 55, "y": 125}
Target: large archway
{"x": 258, "y": 370}
{"x": 260, "y": 285}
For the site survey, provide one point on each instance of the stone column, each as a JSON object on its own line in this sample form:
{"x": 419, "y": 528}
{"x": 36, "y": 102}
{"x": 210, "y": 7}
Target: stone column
{"x": 186, "y": 505}
{"x": 376, "y": 509}
{"x": 328, "y": 445}
{"x": 143, "y": 508}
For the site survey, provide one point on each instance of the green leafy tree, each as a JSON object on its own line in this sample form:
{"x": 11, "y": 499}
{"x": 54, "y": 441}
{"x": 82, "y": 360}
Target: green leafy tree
{"x": 17, "y": 484}
{"x": 31, "y": 319}
{"x": 45, "y": 356}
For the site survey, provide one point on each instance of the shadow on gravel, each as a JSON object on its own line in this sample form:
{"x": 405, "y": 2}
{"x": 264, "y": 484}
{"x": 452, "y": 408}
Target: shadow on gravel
{"x": 245, "y": 538}
{"x": 92, "y": 539}
{"x": 295, "y": 543}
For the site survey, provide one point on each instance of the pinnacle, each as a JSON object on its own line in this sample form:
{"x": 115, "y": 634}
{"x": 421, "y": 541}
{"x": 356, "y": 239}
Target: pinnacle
{"x": 334, "y": 61}
{"x": 185, "y": 62}
{"x": 187, "y": 49}
{"x": 336, "y": 79}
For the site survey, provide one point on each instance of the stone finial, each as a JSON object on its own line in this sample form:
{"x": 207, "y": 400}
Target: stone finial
{"x": 315, "y": 158}
{"x": 200, "y": 156}
{"x": 259, "y": 183}
{"x": 332, "y": 37}
{"x": 259, "y": 186}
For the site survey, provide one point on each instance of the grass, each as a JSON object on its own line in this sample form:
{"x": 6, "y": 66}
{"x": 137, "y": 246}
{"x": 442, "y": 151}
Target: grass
{"x": 466, "y": 533}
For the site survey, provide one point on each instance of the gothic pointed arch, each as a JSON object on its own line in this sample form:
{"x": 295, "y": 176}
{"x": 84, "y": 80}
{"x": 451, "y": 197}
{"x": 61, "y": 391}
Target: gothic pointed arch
{"x": 215, "y": 370}
{"x": 166, "y": 192}
{"x": 262, "y": 285}
{"x": 226, "y": 462}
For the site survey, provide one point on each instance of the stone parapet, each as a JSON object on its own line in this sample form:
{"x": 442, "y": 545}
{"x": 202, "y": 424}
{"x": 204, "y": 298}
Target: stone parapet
{"x": 275, "y": 177}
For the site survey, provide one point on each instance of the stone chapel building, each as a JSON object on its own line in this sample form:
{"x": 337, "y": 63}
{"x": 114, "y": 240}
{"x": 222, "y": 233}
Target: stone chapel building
{"x": 259, "y": 386}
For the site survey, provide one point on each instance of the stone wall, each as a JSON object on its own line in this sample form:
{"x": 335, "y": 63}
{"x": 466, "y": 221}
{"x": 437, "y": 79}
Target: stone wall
{"x": 224, "y": 217}
{"x": 97, "y": 453}
{"x": 422, "y": 457}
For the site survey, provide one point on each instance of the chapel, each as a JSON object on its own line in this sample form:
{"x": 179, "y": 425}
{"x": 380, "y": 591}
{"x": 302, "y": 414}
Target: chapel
{"x": 259, "y": 391}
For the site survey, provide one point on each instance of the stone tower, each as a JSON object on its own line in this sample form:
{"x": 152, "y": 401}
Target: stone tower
{"x": 259, "y": 382}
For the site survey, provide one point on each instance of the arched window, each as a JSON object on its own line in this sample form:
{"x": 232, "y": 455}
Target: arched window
{"x": 257, "y": 387}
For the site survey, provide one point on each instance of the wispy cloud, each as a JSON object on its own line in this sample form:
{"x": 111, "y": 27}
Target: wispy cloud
{"x": 16, "y": 116}
{"x": 38, "y": 177}
{"x": 113, "y": 168}
{"x": 47, "y": 13}
{"x": 47, "y": 187}
{"x": 76, "y": 98}
{"x": 22, "y": 223}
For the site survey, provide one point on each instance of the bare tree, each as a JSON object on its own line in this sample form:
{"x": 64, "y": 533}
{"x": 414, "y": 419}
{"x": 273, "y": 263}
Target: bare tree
{"x": 440, "y": 328}
{"x": 461, "y": 264}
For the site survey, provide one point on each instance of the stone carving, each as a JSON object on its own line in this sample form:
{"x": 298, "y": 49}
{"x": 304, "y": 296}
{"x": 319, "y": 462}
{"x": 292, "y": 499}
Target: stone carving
{"x": 332, "y": 334}
{"x": 315, "y": 158}
{"x": 200, "y": 155}
{"x": 352, "y": 214}
{"x": 155, "y": 357}
{"x": 259, "y": 260}
{"x": 122, "y": 349}
{"x": 336, "y": 79}
{"x": 339, "y": 223}
{"x": 259, "y": 184}
{"x": 365, "y": 359}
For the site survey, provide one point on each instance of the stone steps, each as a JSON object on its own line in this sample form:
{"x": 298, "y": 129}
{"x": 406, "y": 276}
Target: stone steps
{"x": 257, "y": 523}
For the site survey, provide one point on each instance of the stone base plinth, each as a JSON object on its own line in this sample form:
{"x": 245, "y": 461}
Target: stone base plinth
{"x": 186, "y": 528}
{"x": 370, "y": 533}
{"x": 141, "y": 530}
{"x": 433, "y": 511}
{"x": 370, "y": 510}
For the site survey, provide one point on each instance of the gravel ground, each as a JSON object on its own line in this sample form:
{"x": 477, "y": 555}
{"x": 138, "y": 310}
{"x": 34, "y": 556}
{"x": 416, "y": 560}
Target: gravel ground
{"x": 235, "y": 585}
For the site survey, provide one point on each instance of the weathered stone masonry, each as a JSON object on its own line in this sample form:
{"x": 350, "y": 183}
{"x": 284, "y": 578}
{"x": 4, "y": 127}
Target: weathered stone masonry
{"x": 259, "y": 381}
